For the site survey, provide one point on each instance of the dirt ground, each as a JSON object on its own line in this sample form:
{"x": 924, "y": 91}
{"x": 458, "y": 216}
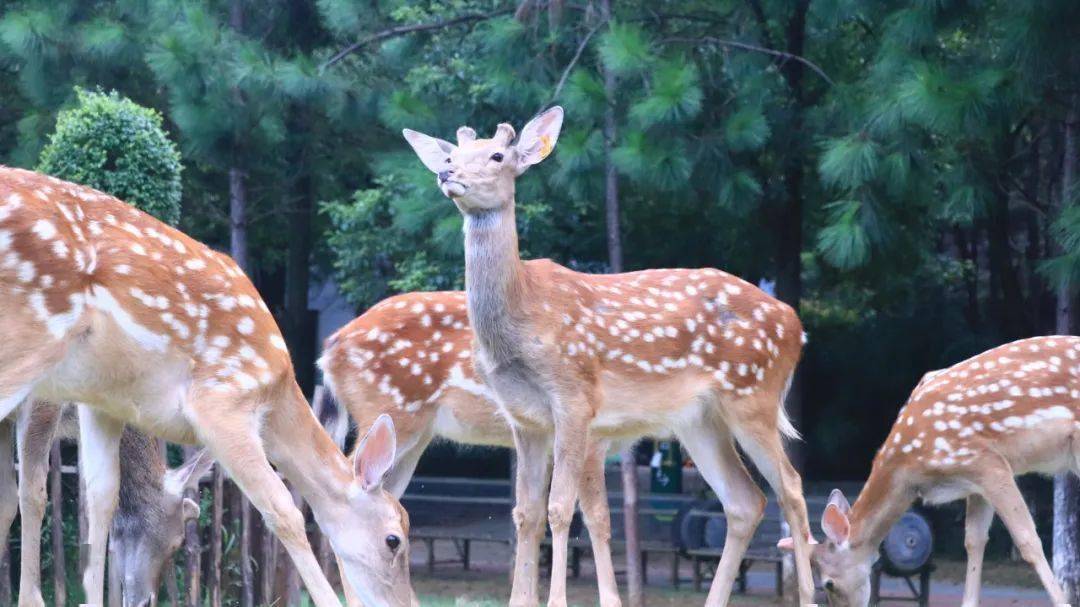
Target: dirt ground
{"x": 487, "y": 584}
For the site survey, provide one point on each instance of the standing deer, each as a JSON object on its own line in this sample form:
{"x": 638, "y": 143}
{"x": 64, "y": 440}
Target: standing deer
{"x": 148, "y": 525}
{"x": 570, "y": 356}
{"x": 409, "y": 357}
{"x": 102, "y": 304}
{"x": 965, "y": 432}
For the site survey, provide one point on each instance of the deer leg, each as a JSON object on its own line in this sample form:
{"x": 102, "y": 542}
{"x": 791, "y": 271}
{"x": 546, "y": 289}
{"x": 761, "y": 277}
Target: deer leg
{"x": 9, "y": 484}
{"x": 229, "y": 431}
{"x": 595, "y": 509}
{"x": 36, "y": 430}
{"x": 99, "y": 452}
{"x": 999, "y": 488}
{"x": 533, "y": 456}
{"x": 763, "y": 444}
{"x": 976, "y": 532}
{"x": 571, "y": 444}
{"x": 713, "y": 450}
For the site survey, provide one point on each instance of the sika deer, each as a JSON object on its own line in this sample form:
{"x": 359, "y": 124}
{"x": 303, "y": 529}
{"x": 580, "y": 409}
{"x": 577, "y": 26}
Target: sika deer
{"x": 409, "y": 357}
{"x": 148, "y": 526}
{"x": 572, "y": 356}
{"x": 103, "y": 304}
{"x": 965, "y": 432}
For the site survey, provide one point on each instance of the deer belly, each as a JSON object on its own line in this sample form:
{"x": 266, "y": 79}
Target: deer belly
{"x": 146, "y": 389}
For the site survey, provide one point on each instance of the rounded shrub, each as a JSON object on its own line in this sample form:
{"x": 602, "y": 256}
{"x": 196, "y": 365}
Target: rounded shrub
{"x": 114, "y": 145}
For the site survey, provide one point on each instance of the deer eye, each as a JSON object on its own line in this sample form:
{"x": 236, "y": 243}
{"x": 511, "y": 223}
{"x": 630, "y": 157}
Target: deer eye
{"x": 392, "y": 542}
{"x": 447, "y": 161}
{"x": 497, "y": 157}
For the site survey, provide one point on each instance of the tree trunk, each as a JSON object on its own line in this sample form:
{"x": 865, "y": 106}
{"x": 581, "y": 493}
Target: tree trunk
{"x": 634, "y": 578}
{"x": 789, "y": 227}
{"x": 247, "y": 592}
{"x": 1066, "y": 485}
{"x": 214, "y": 583}
{"x": 192, "y": 549}
{"x": 238, "y": 218}
{"x": 299, "y": 329}
{"x": 56, "y": 491}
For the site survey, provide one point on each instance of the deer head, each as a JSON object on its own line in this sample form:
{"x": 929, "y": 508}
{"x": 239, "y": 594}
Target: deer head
{"x": 374, "y": 551}
{"x": 844, "y": 572}
{"x": 143, "y": 542}
{"x": 478, "y": 174}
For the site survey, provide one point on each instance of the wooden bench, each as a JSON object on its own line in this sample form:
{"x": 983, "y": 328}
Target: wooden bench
{"x": 762, "y": 548}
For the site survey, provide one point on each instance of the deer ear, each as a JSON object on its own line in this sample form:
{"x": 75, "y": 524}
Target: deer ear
{"x": 837, "y": 498}
{"x": 433, "y": 152}
{"x": 188, "y": 475}
{"x": 835, "y": 524}
{"x": 191, "y": 509}
{"x": 538, "y": 138}
{"x": 376, "y": 452}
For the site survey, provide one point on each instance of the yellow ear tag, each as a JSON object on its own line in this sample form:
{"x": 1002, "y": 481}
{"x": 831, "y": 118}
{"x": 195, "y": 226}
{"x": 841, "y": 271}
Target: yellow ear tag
{"x": 545, "y": 146}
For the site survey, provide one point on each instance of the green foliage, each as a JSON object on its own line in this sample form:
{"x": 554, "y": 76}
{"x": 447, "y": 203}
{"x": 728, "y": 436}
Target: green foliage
{"x": 626, "y": 49}
{"x": 112, "y": 144}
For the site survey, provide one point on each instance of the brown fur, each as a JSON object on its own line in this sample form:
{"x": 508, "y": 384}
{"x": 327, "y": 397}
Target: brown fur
{"x": 573, "y": 356}
{"x": 103, "y": 304}
{"x": 964, "y": 433}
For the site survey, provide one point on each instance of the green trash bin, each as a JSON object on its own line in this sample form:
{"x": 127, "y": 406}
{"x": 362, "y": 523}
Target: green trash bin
{"x": 666, "y": 468}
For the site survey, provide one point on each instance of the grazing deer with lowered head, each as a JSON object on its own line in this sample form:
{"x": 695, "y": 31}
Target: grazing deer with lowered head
{"x": 148, "y": 525}
{"x": 965, "y": 432}
{"x": 102, "y": 304}
{"x": 409, "y": 357}
{"x": 151, "y": 514}
{"x": 573, "y": 356}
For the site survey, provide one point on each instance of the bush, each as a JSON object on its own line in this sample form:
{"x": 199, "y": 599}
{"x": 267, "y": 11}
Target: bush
{"x": 114, "y": 145}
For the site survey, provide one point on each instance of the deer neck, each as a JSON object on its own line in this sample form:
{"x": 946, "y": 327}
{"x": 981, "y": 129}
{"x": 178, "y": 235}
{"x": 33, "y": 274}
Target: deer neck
{"x": 495, "y": 283}
{"x": 884, "y": 499}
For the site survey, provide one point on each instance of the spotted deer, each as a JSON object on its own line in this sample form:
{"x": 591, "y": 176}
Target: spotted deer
{"x": 965, "y": 432}
{"x": 148, "y": 525}
{"x": 104, "y": 305}
{"x": 409, "y": 357}
{"x": 572, "y": 356}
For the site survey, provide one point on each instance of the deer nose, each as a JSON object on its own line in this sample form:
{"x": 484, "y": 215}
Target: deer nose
{"x": 444, "y": 175}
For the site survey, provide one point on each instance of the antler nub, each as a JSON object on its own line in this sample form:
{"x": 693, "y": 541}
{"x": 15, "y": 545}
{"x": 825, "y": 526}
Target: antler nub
{"x": 505, "y": 134}
{"x": 465, "y": 135}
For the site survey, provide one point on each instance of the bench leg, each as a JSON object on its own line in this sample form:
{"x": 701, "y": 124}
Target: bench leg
{"x": 741, "y": 580}
{"x": 644, "y": 567}
{"x": 875, "y": 587}
{"x": 924, "y": 587}
{"x": 465, "y": 554}
{"x": 697, "y": 574}
{"x": 430, "y": 555}
{"x": 675, "y": 569}
{"x": 779, "y": 578}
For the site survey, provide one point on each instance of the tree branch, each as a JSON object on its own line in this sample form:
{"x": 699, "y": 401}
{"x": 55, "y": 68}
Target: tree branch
{"x": 759, "y": 49}
{"x": 403, "y": 30}
{"x": 574, "y": 60}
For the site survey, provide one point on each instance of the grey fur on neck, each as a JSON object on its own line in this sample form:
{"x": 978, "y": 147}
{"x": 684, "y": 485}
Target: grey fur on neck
{"x": 493, "y": 282}
{"x": 142, "y": 470}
